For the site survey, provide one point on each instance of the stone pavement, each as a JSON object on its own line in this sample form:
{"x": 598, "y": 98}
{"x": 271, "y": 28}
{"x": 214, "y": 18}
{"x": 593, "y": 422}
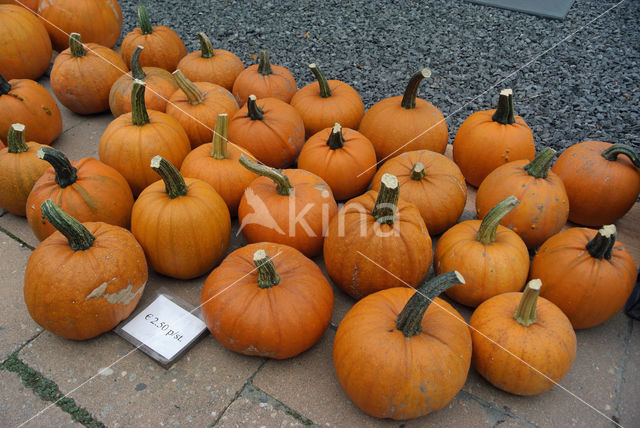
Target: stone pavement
{"x": 211, "y": 386}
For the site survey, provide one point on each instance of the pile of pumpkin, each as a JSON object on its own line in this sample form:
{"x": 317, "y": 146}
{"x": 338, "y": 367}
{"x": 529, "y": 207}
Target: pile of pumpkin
{"x": 219, "y": 135}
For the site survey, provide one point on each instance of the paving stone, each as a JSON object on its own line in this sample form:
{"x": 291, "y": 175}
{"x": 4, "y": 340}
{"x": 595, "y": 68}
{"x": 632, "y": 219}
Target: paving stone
{"x": 83, "y": 139}
{"x": 244, "y": 412}
{"x": 19, "y": 227}
{"x": 460, "y": 412}
{"x": 630, "y": 391}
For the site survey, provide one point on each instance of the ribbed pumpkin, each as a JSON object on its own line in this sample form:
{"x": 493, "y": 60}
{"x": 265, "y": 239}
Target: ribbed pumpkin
{"x": 344, "y": 158}
{"x": 325, "y": 102}
{"x": 267, "y": 300}
{"x": 25, "y": 48}
{"x": 270, "y": 129}
{"x": 544, "y": 206}
{"x": 29, "y": 103}
{"x": 211, "y": 65}
{"x": 182, "y": 223}
{"x": 377, "y": 241}
{"x": 522, "y": 343}
{"x": 20, "y": 168}
{"x": 405, "y": 123}
{"x": 492, "y": 258}
{"x": 403, "y": 353}
{"x": 587, "y": 273}
{"x": 163, "y": 47}
{"x": 601, "y": 184}
{"x": 430, "y": 181}
{"x": 264, "y": 80}
{"x": 85, "y": 278}
{"x": 31, "y": 4}
{"x": 490, "y": 138}
{"x": 132, "y": 139}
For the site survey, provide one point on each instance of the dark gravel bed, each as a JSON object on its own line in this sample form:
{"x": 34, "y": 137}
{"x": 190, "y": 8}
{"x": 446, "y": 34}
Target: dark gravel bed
{"x": 573, "y": 80}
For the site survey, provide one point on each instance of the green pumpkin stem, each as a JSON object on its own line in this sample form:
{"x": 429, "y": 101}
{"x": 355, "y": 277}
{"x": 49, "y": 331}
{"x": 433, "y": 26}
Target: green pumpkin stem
{"x": 487, "y": 230}
{"x": 16, "y": 142}
{"x": 601, "y": 246}
{"x": 504, "y": 112}
{"x": 611, "y": 154}
{"x": 139, "y": 114}
{"x": 205, "y": 45}
{"x": 253, "y": 110}
{"x": 539, "y": 166}
{"x": 219, "y": 148}
{"x": 5, "y": 86}
{"x": 173, "y": 182}
{"x": 417, "y": 171}
{"x": 66, "y": 174}
{"x": 79, "y": 237}
{"x": 264, "y": 66}
{"x": 193, "y": 93}
{"x": 325, "y": 90}
{"x": 136, "y": 69}
{"x": 336, "y": 139}
{"x": 387, "y": 201}
{"x": 143, "y": 19}
{"x": 410, "y": 319}
{"x": 75, "y": 46}
{"x": 526, "y": 312}
{"x": 411, "y": 92}
{"x": 283, "y": 185}
{"x": 267, "y": 276}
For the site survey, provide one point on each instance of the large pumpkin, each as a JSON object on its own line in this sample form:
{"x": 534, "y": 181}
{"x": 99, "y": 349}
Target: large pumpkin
{"x": 403, "y": 353}
{"x": 264, "y": 80}
{"x": 247, "y": 301}
{"x": 85, "y": 278}
{"x": 31, "y": 4}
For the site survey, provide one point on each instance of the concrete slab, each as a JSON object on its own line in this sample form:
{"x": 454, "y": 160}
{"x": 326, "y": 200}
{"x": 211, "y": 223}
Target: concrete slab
{"x": 244, "y": 412}
{"x": 19, "y": 227}
{"x": 83, "y": 139}
{"x": 630, "y": 389}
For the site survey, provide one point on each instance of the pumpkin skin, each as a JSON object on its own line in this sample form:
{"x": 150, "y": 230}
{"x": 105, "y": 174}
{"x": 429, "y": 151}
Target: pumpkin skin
{"x": 394, "y": 129}
{"x": 264, "y": 81}
{"x": 601, "y": 189}
{"x": 99, "y": 21}
{"x": 82, "y": 294}
{"x": 25, "y": 48}
{"x": 251, "y": 320}
{"x": 590, "y": 290}
{"x": 438, "y": 190}
{"x": 31, "y": 4}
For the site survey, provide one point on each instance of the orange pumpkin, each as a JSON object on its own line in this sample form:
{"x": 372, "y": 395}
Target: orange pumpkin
{"x": 602, "y": 185}
{"x": 247, "y": 301}
{"x": 264, "y": 80}
{"x": 430, "y": 181}
{"x": 31, "y": 4}
{"x": 402, "y": 353}
{"x": 270, "y": 129}
{"x": 377, "y": 241}
{"x": 87, "y": 189}
{"x": 522, "y": 343}
{"x": 587, "y": 273}
{"x": 405, "y": 123}
{"x": 182, "y": 224}
{"x": 544, "y": 206}
{"x": 85, "y": 278}
{"x": 490, "y": 138}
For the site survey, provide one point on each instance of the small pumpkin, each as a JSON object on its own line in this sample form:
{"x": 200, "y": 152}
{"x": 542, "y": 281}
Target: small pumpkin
{"x": 85, "y": 278}
{"x": 377, "y": 241}
{"x": 602, "y": 184}
{"x": 430, "y": 181}
{"x": 182, "y": 223}
{"x": 492, "y": 258}
{"x": 522, "y": 343}
{"x": 325, "y": 102}
{"x": 490, "y": 138}
{"x": 586, "y": 273}
{"x": 247, "y": 301}
{"x": 405, "y": 123}
{"x": 544, "y": 205}
{"x": 270, "y": 129}
{"x": 211, "y": 65}
{"x": 264, "y": 80}
{"x": 163, "y": 47}
{"x": 403, "y": 353}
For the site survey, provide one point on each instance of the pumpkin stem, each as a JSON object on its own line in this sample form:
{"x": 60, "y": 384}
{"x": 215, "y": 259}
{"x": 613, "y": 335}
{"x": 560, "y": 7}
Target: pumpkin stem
{"x": 411, "y": 92}
{"x": 264, "y": 66}
{"x": 66, "y": 174}
{"x": 336, "y": 139}
{"x": 194, "y": 95}
{"x": 173, "y": 182}
{"x": 205, "y": 45}
{"x": 611, "y": 154}
{"x": 143, "y": 18}
{"x": 387, "y": 202}
{"x": 539, "y": 166}
{"x": 219, "y": 146}
{"x": 254, "y": 112}
{"x": 325, "y": 90}
{"x": 136, "y": 69}
{"x": 410, "y": 319}
{"x": 5, "y": 87}
{"x": 283, "y": 185}
{"x": 16, "y": 142}
{"x": 526, "y": 312}
{"x": 75, "y": 45}
{"x": 139, "y": 114}
{"x": 504, "y": 112}
{"x": 487, "y": 230}
{"x": 267, "y": 276}
{"x": 79, "y": 237}
{"x": 601, "y": 246}
{"x": 418, "y": 172}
